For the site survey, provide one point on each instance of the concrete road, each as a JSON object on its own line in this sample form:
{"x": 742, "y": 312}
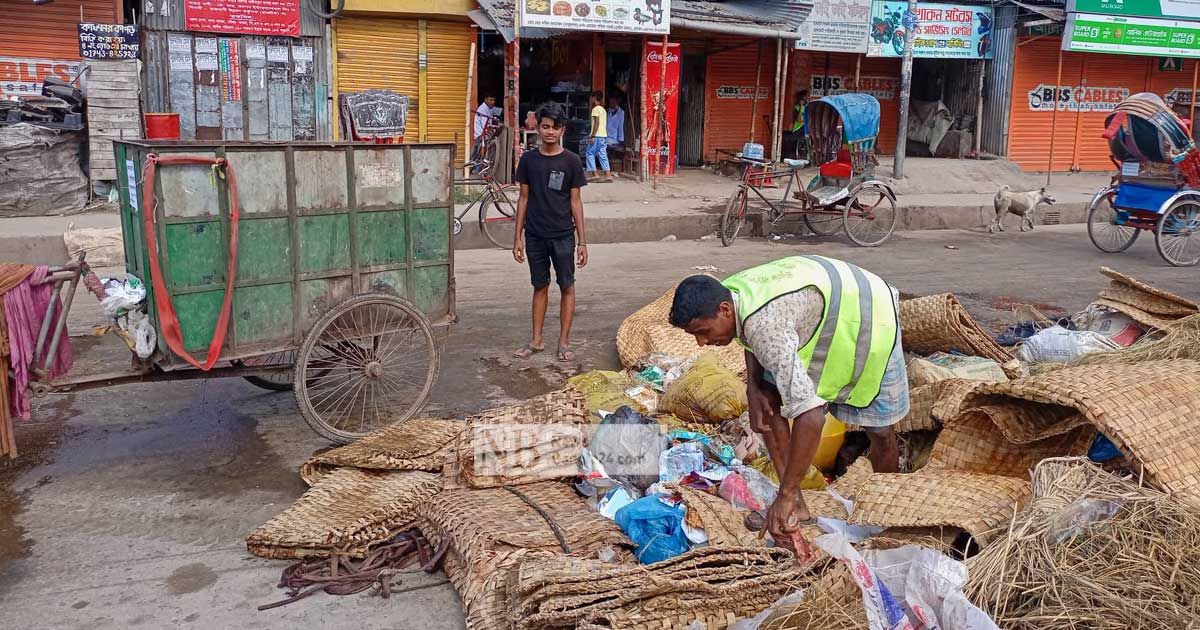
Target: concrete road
{"x": 128, "y": 506}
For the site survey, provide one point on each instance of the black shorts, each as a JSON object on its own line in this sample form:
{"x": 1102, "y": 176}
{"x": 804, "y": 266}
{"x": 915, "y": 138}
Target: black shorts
{"x": 543, "y": 252}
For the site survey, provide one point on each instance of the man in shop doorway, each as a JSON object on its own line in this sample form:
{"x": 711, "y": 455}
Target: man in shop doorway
{"x": 797, "y": 141}
{"x": 597, "y": 143}
{"x": 485, "y": 114}
{"x": 819, "y": 334}
{"x": 616, "y": 121}
{"x": 549, "y": 230}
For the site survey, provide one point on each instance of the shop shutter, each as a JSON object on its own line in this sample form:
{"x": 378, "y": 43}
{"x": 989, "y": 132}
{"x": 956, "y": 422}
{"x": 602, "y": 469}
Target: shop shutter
{"x": 378, "y": 54}
{"x": 727, "y": 120}
{"x": 48, "y": 31}
{"x": 812, "y": 64}
{"x": 448, "y": 49}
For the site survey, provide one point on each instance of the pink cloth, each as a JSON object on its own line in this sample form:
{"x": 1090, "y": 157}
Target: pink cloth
{"x": 24, "y": 309}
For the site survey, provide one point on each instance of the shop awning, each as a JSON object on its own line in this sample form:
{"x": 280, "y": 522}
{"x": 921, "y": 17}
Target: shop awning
{"x": 1053, "y": 11}
{"x": 752, "y": 18}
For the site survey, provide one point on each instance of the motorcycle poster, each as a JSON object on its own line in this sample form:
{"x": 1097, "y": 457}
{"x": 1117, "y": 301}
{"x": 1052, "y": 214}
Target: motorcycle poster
{"x": 940, "y": 31}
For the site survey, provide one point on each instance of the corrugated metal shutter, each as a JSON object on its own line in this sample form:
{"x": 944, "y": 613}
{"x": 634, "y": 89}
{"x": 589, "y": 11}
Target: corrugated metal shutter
{"x": 812, "y": 64}
{"x": 1031, "y": 127}
{"x": 727, "y": 120}
{"x": 448, "y": 48}
{"x": 48, "y": 31}
{"x": 378, "y": 54}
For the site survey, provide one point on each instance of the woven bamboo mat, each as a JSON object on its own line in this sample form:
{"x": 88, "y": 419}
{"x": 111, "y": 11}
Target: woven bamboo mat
{"x": 648, "y": 330}
{"x": 346, "y": 512}
{"x": 951, "y": 398}
{"x": 1147, "y": 302}
{"x": 1120, "y": 279}
{"x": 939, "y": 323}
{"x": 1010, "y": 439}
{"x": 978, "y": 504}
{"x": 1149, "y": 320}
{"x": 1150, "y": 410}
{"x": 724, "y": 525}
{"x": 418, "y": 444}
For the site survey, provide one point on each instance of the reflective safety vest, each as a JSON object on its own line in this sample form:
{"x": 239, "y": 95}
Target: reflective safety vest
{"x": 849, "y": 351}
{"x": 798, "y": 123}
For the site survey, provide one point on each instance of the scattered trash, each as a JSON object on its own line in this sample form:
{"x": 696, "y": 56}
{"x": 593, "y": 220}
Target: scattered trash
{"x": 708, "y": 269}
{"x": 680, "y": 461}
{"x": 951, "y": 247}
{"x": 753, "y": 623}
{"x": 122, "y": 296}
{"x": 668, "y": 238}
{"x": 655, "y": 527}
{"x": 1077, "y": 517}
{"x": 1059, "y": 345}
{"x": 1103, "y": 450}
{"x": 1122, "y": 329}
{"x": 144, "y": 336}
{"x": 970, "y": 368}
{"x": 708, "y": 237}
{"x": 708, "y": 392}
{"x": 629, "y": 445}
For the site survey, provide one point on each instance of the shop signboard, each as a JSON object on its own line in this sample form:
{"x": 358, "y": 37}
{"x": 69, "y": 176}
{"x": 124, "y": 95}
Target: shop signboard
{"x": 249, "y": 17}
{"x": 943, "y": 31}
{"x": 742, "y": 92}
{"x": 1181, "y": 9}
{"x": 836, "y": 26}
{"x": 1076, "y": 98}
{"x": 660, "y": 123}
{"x": 882, "y": 88}
{"x": 108, "y": 41}
{"x": 1179, "y": 96}
{"x": 23, "y": 76}
{"x": 618, "y": 16}
{"x": 1131, "y": 36}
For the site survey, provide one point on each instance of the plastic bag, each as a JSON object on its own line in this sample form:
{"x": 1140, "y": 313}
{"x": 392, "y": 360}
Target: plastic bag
{"x": 145, "y": 337}
{"x": 753, "y": 623}
{"x": 709, "y": 392}
{"x": 605, "y": 391}
{"x": 1059, "y": 345}
{"x": 629, "y": 446}
{"x": 1103, "y": 450}
{"x": 680, "y": 461}
{"x": 654, "y": 527}
{"x": 1117, "y": 326}
{"x": 1077, "y": 517}
{"x": 122, "y": 296}
{"x": 969, "y": 367}
{"x": 748, "y": 489}
{"x": 909, "y": 588}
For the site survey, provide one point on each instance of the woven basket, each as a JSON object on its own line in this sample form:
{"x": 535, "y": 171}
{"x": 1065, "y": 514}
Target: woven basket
{"x": 980, "y": 505}
{"x": 1150, "y": 410}
{"x": 1128, "y": 281}
{"x": 418, "y": 444}
{"x": 939, "y": 323}
{"x": 981, "y": 439}
{"x": 347, "y": 512}
{"x": 648, "y": 331}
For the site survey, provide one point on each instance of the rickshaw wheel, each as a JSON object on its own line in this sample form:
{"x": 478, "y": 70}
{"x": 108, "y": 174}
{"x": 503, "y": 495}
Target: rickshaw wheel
{"x": 1103, "y": 230}
{"x": 824, "y": 224}
{"x": 1178, "y": 235}
{"x": 369, "y": 362}
{"x": 276, "y": 382}
{"x": 870, "y": 215}
{"x": 734, "y": 217}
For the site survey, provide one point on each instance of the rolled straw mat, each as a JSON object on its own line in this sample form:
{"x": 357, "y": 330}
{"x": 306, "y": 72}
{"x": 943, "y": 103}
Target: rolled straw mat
{"x": 649, "y": 330}
{"x": 1122, "y": 279}
{"x": 724, "y": 525}
{"x": 1009, "y": 439}
{"x": 980, "y": 505}
{"x": 939, "y": 323}
{"x": 1147, "y": 302}
{"x": 1149, "y": 320}
{"x": 418, "y": 444}
{"x": 346, "y": 512}
{"x": 1150, "y": 410}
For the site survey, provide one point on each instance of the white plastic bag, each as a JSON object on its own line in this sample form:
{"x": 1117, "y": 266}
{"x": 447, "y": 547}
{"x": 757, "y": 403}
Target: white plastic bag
{"x": 910, "y": 588}
{"x": 120, "y": 297}
{"x": 1059, "y": 345}
{"x": 145, "y": 337}
{"x": 753, "y": 623}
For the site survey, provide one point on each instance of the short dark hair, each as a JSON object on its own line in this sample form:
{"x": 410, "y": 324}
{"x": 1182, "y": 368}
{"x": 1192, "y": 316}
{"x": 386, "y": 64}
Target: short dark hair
{"x": 697, "y": 297}
{"x": 801, "y": 93}
{"x": 598, "y": 94}
{"x": 554, "y": 112}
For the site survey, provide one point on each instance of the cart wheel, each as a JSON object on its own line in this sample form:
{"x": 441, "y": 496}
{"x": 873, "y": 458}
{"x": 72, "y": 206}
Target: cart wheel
{"x": 1178, "y": 234}
{"x": 870, "y": 216}
{"x": 280, "y": 381}
{"x": 734, "y": 217}
{"x": 498, "y": 221}
{"x": 1102, "y": 227}
{"x": 368, "y": 363}
{"x": 824, "y": 224}
{"x": 457, "y": 226}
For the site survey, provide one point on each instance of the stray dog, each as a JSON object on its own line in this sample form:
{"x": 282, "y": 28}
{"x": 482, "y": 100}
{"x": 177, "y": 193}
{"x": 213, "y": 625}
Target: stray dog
{"x": 1022, "y": 204}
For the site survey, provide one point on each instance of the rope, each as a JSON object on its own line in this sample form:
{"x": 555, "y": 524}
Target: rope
{"x": 562, "y": 541}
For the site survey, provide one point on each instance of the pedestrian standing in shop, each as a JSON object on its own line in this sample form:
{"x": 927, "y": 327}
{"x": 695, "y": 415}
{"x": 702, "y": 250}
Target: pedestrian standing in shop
{"x": 597, "y": 145}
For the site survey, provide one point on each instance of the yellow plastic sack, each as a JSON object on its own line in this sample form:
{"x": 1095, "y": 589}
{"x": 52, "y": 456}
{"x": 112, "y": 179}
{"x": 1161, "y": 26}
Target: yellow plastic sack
{"x": 708, "y": 392}
{"x": 813, "y": 479}
{"x": 605, "y": 391}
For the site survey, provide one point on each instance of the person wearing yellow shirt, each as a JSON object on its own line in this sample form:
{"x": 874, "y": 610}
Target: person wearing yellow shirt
{"x": 597, "y": 144}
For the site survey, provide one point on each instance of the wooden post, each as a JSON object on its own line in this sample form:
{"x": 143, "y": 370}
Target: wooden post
{"x": 512, "y": 96}
{"x": 1079, "y": 118}
{"x": 827, "y": 82}
{"x": 979, "y": 110}
{"x": 781, "y": 103}
{"x": 778, "y": 99}
{"x": 754, "y": 98}
{"x": 857, "y": 70}
{"x": 1054, "y": 118}
{"x": 471, "y": 95}
{"x": 906, "y": 70}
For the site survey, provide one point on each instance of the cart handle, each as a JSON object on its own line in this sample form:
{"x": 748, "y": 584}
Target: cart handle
{"x": 167, "y": 318}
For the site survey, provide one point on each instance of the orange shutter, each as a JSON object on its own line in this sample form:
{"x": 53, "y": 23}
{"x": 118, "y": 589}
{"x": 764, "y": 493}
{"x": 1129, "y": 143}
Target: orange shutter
{"x": 726, "y": 118}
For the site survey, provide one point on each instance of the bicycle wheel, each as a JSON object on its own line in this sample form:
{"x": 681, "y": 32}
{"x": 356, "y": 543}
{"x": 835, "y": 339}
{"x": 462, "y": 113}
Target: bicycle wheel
{"x": 1103, "y": 229}
{"x": 870, "y": 216}
{"x": 1178, "y": 235}
{"x": 498, "y": 220}
{"x": 734, "y": 217}
{"x": 824, "y": 224}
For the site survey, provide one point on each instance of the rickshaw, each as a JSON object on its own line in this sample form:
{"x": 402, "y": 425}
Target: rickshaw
{"x": 844, "y": 195}
{"x": 1157, "y": 185}
{"x": 329, "y": 272}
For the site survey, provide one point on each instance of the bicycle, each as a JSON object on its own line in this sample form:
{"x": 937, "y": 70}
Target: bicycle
{"x": 497, "y": 206}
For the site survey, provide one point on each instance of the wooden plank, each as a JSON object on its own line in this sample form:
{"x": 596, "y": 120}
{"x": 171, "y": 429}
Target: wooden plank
{"x": 111, "y": 104}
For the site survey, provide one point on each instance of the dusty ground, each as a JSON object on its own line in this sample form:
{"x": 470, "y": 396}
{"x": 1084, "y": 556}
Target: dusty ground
{"x": 128, "y": 506}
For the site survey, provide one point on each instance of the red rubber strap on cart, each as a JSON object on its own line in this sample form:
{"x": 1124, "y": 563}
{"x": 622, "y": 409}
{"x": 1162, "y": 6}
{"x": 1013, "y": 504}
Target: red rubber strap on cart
{"x": 168, "y": 321}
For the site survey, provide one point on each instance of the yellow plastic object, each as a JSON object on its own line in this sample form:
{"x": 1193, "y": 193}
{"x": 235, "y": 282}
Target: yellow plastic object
{"x": 605, "y": 391}
{"x": 832, "y": 437}
{"x": 708, "y": 392}
{"x": 813, "y": 480}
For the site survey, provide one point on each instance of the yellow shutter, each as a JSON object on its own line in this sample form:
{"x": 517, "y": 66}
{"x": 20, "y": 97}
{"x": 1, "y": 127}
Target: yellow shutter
{"x": 448, "y": 49}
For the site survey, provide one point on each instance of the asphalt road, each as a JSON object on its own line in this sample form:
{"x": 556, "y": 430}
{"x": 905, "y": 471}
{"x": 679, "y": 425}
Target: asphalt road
{"x": 129, "y": 504}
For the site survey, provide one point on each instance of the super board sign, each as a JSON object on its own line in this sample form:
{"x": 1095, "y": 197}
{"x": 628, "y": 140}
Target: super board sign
{"x": 108, "y": 41}
{"x": 252, "y": 17}
{"x": 22, "y": 76}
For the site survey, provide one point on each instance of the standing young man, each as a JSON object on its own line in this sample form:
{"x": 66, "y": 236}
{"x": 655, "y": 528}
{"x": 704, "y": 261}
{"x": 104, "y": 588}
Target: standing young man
{"x": 549, "y": 216}
{"x": 597, "y": 147}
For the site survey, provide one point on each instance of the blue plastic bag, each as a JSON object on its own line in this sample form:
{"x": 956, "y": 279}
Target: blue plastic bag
{"x": 1103, "y": 449}
{"x": 655, "y": 527}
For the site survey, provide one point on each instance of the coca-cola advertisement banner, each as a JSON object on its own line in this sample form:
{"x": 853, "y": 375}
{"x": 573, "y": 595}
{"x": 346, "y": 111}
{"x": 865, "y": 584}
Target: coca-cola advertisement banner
{"x": 660, "y": 107}
{"x": 251, "y": 17}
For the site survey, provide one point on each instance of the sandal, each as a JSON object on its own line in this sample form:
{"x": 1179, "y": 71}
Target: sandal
{"x": 527, "y": 351}
{"x": 565, "y": 355}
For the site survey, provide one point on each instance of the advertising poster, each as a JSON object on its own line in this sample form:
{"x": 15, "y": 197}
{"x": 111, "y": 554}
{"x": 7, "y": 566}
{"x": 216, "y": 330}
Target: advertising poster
{"x": 1132, "y": 36}
{"x": 22, "y": 76}
{"x": 108, "y": 41}
{"x": 250, "y": 17}
{"x": 1076, "y": 98}
{"x": 660, "y": 120}
{"x": 621, "y": 16}
{"x": 836, "y": 26}
{"x": 231, "y": 70}
{"x": 943, "y": 31}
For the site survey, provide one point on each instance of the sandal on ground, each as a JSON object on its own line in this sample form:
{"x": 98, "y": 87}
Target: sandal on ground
{"x": 565, "y": 354}
{"x": 527, "y": 351}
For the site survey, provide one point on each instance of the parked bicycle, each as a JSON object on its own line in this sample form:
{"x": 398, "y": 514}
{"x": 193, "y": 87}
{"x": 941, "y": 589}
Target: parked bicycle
{"x": 497, "y": 205}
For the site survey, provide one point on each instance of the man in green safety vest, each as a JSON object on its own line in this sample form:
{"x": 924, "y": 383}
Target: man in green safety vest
{"x": 796, "y": 137}
{"x": 819, "y": 334}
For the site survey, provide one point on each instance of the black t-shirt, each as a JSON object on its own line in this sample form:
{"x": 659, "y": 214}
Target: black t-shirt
{"x": 550, "y": 179}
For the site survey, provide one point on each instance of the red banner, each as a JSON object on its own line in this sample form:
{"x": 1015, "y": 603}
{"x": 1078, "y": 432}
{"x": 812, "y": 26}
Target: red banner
{"x": 658, "y": 122}
{"x": 252, "y": 17}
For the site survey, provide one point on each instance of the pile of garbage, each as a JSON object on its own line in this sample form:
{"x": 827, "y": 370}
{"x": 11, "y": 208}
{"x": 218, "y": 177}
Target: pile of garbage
{"x": 61, "y": 105}
{"x": 636, "y": 498}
